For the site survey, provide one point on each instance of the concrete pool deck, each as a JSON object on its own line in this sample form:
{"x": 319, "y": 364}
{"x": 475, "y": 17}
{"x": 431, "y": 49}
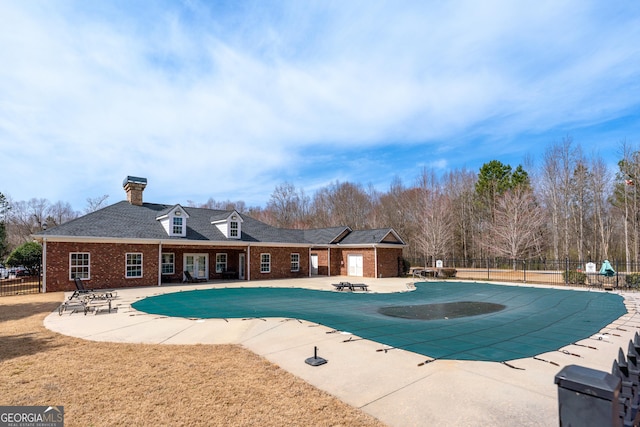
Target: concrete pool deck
{"x": 395, "y": 386}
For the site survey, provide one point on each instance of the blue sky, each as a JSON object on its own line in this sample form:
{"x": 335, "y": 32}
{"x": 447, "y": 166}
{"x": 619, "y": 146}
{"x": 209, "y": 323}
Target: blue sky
{"x": 228, "y": 99}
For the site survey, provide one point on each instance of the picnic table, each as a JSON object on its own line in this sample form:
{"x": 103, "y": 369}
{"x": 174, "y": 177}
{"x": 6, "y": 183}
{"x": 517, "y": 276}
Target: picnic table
{"x": 424, "y": 272}
{"x": 229, "y": 274}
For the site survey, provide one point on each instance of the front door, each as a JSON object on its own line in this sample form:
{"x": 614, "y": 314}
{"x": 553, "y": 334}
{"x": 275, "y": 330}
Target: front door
{"x": 354, "y": 264}
{"x": 197, "y": 265}
{"x": 241, "y": 266}
{"x": 314, "y": 264}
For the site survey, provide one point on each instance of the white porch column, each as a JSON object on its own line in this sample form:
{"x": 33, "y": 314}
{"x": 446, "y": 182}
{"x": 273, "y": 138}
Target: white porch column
{"x": 160, "y": 264}
{"x": 44, "y": 264}
{"x": 248, "y": 263}
{"x": 375, "y": 259}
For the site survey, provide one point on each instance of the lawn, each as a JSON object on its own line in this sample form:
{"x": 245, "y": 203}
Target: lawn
{"x": 139, "y": 384}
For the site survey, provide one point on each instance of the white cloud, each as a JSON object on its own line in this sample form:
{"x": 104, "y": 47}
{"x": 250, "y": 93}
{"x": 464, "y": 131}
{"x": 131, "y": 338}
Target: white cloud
{"x": 238, "y": 96}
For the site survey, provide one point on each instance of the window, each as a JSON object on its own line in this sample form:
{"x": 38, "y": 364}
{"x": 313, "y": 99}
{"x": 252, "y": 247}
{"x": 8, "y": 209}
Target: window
{"x": 233, "y": 229}
{"x": 221, "y": 263}
{"x": 177, "y": 225}
{"x": 295, "y": 262}
{"x": 168, "y": 264}
{"x": 134, "y": 265}
{"x": 265, "y": 263}
{"x": 79, "y": 265}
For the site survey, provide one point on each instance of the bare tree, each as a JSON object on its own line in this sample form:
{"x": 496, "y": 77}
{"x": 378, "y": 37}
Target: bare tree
{"x": 433, "y": 216}
{"x": 223, "y": 205}
{"x": 24, "y": 219}
{"x": 555, "y": 188}
{"x": 580, "y": 202}
{"x": 321, "y": 208}
{"x": 59, "y": 213}
{"x": 393, "y": 209}
{"x": 627, "y": 196}
{"x": 342, "y": 204}
{"x": 600, "y": 181}
{"x": 4, "y": 209}
{"x": 288, "y": 206}
{"x": 517, "y": 228}
{"x": 460, "y": 186}
{"x": 96, "y": 203}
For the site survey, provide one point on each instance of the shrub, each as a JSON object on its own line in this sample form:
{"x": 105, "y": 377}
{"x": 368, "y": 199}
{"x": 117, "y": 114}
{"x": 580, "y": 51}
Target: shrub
{"x": 446, "y": 273}
{"x": 574, "y": 277}
{"x": 406, "y": 266}
{"x": 28, "y": 255}
{"x": 633, "y": 280}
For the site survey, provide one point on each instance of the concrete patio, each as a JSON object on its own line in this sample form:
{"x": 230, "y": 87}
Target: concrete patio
{"x": 395, "y": 386}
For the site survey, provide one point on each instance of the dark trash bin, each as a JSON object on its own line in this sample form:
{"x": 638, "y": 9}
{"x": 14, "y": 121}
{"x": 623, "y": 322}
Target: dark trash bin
{"x": 588, "y": 397}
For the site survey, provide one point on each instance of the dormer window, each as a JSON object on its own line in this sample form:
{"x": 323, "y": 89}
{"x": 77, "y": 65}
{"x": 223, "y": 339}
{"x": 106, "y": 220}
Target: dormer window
{"x": 174, "y": 221}
{"x": 233, "y": 229}
{"x": 178, "y": 226}
{"x": 229, "y": 224}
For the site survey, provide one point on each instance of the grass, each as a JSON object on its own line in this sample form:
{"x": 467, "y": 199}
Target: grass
{"x": 139, "y": 384}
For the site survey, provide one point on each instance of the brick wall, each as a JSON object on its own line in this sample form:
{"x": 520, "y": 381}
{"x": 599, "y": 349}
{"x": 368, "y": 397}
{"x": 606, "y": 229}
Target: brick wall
{"x": 280, "y": 263}
{"x": 337, "y": 269}
{"x": 368, "y": 261}
{"x": 107, "y": 265}
{"x": 323, "y": 262}
{"x": 388, "y": 261}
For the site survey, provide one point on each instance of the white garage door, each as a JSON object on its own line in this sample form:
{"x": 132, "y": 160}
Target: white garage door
{"x": 354, "y": 264}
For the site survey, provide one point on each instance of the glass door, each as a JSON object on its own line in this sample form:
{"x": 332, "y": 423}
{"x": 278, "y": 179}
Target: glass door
{"x": 197, "y": 265}
{"x": 241, "y": 266}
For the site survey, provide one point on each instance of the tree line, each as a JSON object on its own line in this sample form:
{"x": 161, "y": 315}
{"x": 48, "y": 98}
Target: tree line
{"x": 571, "y": 206}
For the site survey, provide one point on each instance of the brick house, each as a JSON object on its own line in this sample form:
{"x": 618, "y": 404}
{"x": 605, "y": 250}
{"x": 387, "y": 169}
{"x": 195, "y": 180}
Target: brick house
{"x": 133, "y": 243}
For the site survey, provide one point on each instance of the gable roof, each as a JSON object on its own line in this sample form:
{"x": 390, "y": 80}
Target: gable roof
{"x": 325, "y": 235}
{"x": 380, "y": 235}
{"x": 165, "y": 212}
{"x": 222, "y": 216}
{"x": 123, "y": 220}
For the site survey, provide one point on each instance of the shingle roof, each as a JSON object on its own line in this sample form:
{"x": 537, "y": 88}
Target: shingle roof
{"x": 123, "y": 220}
{"x": 324, "y": 235}
{"x": 380, "y": 235}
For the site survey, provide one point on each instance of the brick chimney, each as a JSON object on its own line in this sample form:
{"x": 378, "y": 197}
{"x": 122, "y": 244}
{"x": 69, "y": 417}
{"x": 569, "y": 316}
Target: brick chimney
{"x": 134, "y": 187}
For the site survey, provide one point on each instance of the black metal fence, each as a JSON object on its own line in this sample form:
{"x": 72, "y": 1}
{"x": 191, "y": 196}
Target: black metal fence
{"x": 22, "y": 284}
{"x": 542, "y": 271}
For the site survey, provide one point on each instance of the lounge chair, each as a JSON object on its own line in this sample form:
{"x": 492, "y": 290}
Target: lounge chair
{"x": 188, "y": 278}
{"x": 91, "y": 293}
{"x": 87, "y": 299}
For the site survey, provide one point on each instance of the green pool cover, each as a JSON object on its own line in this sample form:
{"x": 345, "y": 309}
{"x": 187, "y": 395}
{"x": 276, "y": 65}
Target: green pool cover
{"x": 533, "y": 320}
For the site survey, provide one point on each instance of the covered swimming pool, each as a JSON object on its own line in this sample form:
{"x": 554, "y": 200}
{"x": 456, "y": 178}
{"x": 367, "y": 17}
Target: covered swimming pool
{"x": 440, "y": 320}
